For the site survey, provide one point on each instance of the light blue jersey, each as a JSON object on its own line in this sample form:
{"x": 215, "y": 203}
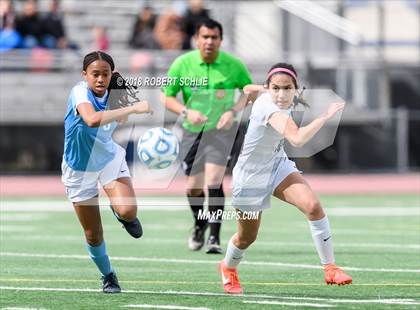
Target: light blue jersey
{"x": 85, "y": 148}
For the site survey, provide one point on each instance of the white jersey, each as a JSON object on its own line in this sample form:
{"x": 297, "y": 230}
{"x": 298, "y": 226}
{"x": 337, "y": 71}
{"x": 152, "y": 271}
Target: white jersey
{"x": 263, "y": 145}
{"x": 262, "y": 163}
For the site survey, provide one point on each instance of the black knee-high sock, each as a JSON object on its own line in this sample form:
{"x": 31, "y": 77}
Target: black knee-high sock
{"x": 216, "y": 202}
{"x": 196, "y": 204}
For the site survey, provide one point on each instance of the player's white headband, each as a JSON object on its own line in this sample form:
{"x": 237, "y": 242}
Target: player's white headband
{"x": 275, "y": 70}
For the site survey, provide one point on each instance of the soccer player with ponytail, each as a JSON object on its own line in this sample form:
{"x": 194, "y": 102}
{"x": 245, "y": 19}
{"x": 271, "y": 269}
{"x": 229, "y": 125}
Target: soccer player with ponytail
{"x": 263, "y": 169}
{"x": 94, "y": 107}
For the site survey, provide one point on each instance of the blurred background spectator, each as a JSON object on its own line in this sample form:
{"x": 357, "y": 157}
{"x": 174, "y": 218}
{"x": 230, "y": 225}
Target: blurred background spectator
{"x": 168, "y": 31}
{"x": 7, "y": 13}
{"x": 54, "y": 32}
{"x": 194, "y": 14}
{"x": 29, "y": 25}
{"x": 9, "y": 37}
{"x": 142, "y": 35}
{"x": 366, "y": 51}
{"x": 29, "y": 28}
{"x": 101, "y": 40}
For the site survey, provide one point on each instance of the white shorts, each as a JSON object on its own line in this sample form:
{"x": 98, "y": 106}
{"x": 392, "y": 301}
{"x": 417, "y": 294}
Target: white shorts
{"x": 83, "y": 185}
{"x": 250, "y": 198}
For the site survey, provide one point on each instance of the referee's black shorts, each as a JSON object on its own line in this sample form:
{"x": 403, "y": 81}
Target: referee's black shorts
{"x": 213, "y": 146}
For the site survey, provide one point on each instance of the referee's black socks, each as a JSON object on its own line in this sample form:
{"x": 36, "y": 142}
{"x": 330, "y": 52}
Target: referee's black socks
{"x": 216, "y": 203}
{"x": 196, "y": 204}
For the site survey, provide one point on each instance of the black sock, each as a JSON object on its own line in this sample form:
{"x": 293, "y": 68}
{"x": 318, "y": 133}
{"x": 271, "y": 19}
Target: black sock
{"x": 216, "y": 203}
{"x": 196, "y": 204}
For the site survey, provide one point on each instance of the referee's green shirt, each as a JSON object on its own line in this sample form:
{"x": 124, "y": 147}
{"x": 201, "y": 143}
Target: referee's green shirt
{"x": 216, "y": 96}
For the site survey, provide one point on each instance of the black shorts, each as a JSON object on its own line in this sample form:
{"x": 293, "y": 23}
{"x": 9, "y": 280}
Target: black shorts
{"x": 213, "y": 146}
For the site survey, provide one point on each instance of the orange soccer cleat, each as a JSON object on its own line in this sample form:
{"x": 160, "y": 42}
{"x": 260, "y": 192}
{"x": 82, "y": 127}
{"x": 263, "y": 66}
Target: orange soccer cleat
{"x": 335, "y": 275}
{"x": 230, "y": 279}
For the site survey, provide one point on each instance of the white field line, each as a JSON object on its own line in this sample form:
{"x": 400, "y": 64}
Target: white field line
{"x": 182, "y": 241}
{"x": 180, "y": 204}
{"x": 168, "y": 292}
{"x": 342, "y": 301}
{"x": 379, "y": 301}
{"x": 191, "y": 261}
{"x": 376, "y": 211}
{"x": 375, "y": 232}
{"x": 401, "y": 231}
{"x": 16, "y": 228}
{"x": 403, "y": 301}
{"x": 25, "y": 217}
{"x": 21, "y": 308}
{"x": 307, "y": 244}
{"x": 175, "y": 204}
{"x": 183, "y": 282}
{"x": 146, "y": 306}
{"x": 284, "y": 303}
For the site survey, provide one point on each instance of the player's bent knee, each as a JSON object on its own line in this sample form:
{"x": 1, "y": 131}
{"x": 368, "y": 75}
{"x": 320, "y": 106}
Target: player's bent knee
{"x": 313, "y": 208}
{"x": 128, "y": 213}
{"x": 245, "y": 241}
{"x": 94, "y": 237}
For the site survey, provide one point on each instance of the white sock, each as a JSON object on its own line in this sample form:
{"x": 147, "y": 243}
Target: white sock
{"x": 321, "y": 234}
{"x": 233, "y": 255}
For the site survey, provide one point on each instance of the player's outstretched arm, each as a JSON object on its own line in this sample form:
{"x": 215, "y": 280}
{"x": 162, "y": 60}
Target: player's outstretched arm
{"x": 285, "y": 125}
{"x": 252, "y": 91}
{"x": 253, "y": 88}
{"x": 98, "y": 118}
{"x": 250, "y": 94}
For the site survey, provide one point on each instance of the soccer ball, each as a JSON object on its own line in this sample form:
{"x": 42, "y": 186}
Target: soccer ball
{"x": 158, "y": 148}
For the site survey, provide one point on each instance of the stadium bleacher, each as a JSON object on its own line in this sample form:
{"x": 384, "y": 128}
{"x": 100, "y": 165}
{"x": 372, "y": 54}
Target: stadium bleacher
{"x": 363, "y": 75}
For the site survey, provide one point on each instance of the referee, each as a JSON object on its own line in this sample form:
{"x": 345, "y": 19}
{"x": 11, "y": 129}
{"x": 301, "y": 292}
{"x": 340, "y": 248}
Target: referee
{"x": 207, "y": 78}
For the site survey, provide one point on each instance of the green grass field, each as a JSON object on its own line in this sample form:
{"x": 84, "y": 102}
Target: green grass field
{"x": 44, "y": 264}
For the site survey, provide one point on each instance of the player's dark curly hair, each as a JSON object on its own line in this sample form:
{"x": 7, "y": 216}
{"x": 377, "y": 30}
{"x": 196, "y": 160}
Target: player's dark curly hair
{"x": 121, "y": 94}
{"x": 298, "y": 99}
{"x": 97, "y": 55}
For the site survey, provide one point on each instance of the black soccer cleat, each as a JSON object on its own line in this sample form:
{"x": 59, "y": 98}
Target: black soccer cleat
{"x": 213, "y": 245}
{"x": 110, "y": 284}
{"x": 133, "y": 228}
{"x": 196, "y": 241}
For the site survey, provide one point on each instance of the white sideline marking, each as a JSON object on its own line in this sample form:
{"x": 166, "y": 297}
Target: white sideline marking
{"x": 379, "y": 301}
{"x": 165, "y": 307}
{"x": 177, "y": 204}
{"x": 16, "y": 228}
{"x": 22, "y": 217}
{"x": 345, "y": 245}
{"x": 19, "y": 308}
{"x": 369, "y": 211}
{"x": 198, "y": 261}
{"x": 346, "y": 301}
{"x": 370, "y": 232}
{"x": 283, "y": 303}
{"x": 20, "y": 280}
{"x": 403, "y": 301}
{"x": 182, "y": 241}
{"x": 144, "y": 204}
{"x": 169, "y": 292}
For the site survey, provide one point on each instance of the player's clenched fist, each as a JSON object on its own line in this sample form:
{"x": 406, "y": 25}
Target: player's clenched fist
{"x": 142, "y": 107}
{"x": 196, "y": 117}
